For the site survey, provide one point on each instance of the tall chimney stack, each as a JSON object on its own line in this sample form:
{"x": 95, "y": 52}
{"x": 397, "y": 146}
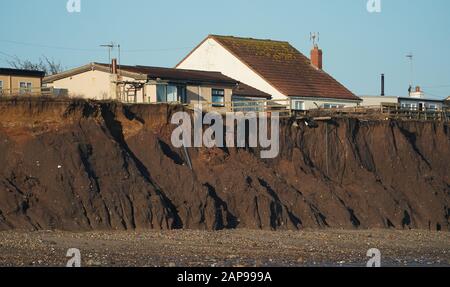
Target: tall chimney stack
{"x": 382, "y": 85}
{"x": 114, "y": 66}
{"x": 316, "y": 57}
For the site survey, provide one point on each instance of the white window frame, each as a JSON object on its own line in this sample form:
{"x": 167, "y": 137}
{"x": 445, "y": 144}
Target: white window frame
{"x": 432, "y": 107}
{"x": 28, "y": 87}
{"x": 332, "y": 106}
{"x": 300, "y": 103}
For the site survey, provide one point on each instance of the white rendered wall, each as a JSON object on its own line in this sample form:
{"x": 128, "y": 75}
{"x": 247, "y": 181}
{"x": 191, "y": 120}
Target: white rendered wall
{"x": 211, "y": 56}
{"x": 94, "y": 85}
{"x": 377, "y": 100}
{"x": 89, "y": 85}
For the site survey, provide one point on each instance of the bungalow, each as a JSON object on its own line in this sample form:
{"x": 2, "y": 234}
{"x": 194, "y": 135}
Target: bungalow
{"x": 15, "y": 82}
{"x": 143, "y": 84}
{"x": 416, "y": 101}
{"x": 274, "y": 67}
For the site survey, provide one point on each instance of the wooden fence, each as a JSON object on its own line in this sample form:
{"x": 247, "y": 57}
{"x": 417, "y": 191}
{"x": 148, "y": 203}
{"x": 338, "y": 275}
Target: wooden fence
{"x": 384, "y": 111}
{"x": 282, "y": 107}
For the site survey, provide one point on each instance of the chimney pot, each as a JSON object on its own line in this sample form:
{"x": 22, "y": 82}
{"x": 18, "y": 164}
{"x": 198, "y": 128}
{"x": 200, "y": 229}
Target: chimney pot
{"x": 316, "y": 58}
{"x": 418, "y": 90}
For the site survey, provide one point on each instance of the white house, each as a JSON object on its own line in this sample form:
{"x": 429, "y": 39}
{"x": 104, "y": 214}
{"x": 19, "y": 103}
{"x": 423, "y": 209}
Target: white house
{"x": 416, "y": 101}
{"x": 273, "y": 67}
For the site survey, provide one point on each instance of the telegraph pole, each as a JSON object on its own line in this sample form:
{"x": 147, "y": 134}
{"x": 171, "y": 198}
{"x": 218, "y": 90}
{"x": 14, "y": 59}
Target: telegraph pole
{"x": 410, "y": 56}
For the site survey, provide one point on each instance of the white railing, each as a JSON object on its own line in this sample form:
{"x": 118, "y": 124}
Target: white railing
{"x": 40, "y": 91}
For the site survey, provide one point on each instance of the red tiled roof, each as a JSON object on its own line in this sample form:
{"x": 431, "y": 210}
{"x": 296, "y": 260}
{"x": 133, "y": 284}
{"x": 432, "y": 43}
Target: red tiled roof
{"x": 285, "y": 68}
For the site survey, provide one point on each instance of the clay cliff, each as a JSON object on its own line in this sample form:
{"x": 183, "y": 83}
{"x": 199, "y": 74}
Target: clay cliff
{"x": 80, "y": 165}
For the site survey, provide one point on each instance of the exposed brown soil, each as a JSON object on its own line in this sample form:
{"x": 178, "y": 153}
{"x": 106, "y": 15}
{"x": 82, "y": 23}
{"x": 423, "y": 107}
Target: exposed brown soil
{"x": 81, "y": 166}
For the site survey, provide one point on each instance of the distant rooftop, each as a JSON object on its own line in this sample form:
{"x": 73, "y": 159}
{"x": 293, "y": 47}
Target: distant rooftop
{"x": 177, "y": 74}
{"x": 168, "y": 74}
{"x": 20, "y": 72}
{"x": 401, "y": 97}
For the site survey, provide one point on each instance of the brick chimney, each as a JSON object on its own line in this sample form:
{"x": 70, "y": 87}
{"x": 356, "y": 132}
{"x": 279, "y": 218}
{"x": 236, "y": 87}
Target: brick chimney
{"x": 418, "y": 93}
{"x": 114, "y": 66}
{"x": 316, "y": 57}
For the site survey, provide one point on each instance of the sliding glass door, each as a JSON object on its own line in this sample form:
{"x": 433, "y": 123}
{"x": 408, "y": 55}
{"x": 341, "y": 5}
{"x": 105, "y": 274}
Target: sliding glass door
{"x": 170, "y": 93}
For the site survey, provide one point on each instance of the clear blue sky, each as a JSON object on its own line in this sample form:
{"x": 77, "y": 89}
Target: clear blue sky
{"x": 358, "y": 46}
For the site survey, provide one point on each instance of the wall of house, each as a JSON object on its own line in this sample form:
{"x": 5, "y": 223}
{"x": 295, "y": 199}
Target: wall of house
{"x": 211, "y": 56}
{"x": 95, "y": 85}
{"x": 377, "y": 100}
{"x": 314, "y": 103}
{"x": 196, "y": 94}
{"x": 150, "y": 91}
{"x": 426, "y": 104}
{"x": 13, "y": 82}
{"x": 6, "y": 81}
{"x": 414, "y": 102}
{"x": 89, "y": 85}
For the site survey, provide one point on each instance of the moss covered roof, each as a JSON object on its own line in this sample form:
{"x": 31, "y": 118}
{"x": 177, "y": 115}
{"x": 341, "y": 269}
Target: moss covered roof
{"x": 284, "y": 67}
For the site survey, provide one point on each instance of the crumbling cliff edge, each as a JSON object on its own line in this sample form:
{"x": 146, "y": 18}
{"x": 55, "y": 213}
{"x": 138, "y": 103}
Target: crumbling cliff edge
{"x": 79, "y": 165}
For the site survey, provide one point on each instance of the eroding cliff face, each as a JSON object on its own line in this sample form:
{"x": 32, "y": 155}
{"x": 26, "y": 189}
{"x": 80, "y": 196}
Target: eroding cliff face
{"x": 98, "y": 166}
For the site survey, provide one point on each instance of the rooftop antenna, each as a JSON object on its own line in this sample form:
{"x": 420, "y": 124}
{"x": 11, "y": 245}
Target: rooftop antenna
{"x": 118, "y": 46}
{"x": 110, "y": 47}
{"x": 314, "y": 38}
{"x": 410, "y": 56}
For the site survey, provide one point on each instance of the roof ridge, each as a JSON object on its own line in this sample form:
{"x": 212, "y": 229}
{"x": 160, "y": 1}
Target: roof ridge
{"x": 245, "y": 38}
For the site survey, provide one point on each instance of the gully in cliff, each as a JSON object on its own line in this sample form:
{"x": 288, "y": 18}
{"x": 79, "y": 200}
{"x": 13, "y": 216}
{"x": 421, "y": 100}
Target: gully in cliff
{"x": 258, "y": 131}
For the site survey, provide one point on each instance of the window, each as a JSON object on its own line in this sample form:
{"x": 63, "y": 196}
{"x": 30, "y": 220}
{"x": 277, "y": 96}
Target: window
{"x": 432, "y": 107}
{"x": 25, "y": 87}
{"x": 332, "y": 106}
{"x": 161, "y": 94}
{"x": 406, "y": 106}
{"x": 247, "y": 104}
{"x": 218, "y": 98}
{"x": 170, "y": 94}
{"x": 298, "y": 105}
{"x": 1, "y": 87}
